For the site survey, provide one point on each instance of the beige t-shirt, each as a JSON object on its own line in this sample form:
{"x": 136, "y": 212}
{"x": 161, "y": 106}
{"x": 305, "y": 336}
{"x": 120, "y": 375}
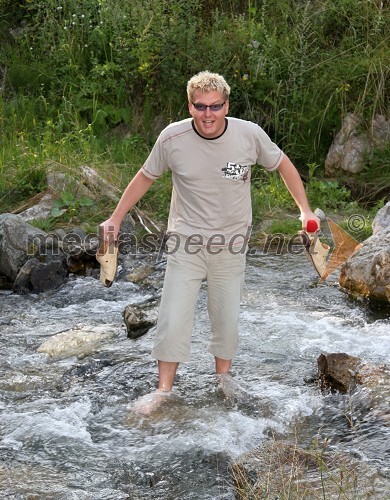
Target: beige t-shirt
{"x": 211, "y": 177}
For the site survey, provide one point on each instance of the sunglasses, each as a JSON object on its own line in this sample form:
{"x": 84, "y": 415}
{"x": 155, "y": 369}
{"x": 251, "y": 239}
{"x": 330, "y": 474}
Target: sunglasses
{"x": 213, "y": 107}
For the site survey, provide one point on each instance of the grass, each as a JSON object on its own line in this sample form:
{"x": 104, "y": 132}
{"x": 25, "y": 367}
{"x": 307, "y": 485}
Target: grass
{"x": 283, "y": 470}
{"x": 26, "y": 161}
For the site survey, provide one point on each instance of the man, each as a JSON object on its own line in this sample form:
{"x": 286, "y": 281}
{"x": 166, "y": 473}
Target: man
{"x": 210, "y": 157}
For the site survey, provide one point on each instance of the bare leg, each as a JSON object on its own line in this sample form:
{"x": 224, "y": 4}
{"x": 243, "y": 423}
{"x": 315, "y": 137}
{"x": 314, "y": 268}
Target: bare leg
{"x": 222, "y": 365}
{"x": 166, "y": 374}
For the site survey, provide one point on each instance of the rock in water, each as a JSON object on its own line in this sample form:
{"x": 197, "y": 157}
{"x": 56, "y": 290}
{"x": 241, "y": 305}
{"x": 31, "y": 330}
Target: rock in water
{"x": 78, "y": 341}
{"x": 367, "y": 272}
{"x": 140, "y": 318}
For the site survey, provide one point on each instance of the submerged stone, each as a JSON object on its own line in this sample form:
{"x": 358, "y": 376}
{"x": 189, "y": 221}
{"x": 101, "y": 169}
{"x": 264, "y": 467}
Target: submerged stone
{"x": 78, "y": 341}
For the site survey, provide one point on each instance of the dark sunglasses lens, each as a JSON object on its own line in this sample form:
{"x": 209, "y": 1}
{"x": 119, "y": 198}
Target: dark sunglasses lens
{"x": 213, "y": 107}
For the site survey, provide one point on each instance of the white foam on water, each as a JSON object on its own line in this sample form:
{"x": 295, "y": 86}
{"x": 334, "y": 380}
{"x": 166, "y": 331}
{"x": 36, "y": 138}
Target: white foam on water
{"x": 98, "y": 307}
{"x": 211, "y": 430}
{"x": 308, "y": 331}
{"x": 69, "y": 422}
{"x": 231, "y": 432}
{"x": 338, "y": 335}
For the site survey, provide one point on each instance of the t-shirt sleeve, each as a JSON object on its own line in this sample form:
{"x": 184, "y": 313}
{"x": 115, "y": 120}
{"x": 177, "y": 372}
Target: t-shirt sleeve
{"x": 269, "y": 155}
{"x": 157, "y": 161}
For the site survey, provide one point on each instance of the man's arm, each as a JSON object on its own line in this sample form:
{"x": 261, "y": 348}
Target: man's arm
{"x": 132, "y": 194}
{"x": 292, "y": 179}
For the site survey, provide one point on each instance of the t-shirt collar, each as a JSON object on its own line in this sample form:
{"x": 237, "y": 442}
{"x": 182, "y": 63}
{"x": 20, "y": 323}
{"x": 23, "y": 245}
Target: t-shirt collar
{"x": 210, "y": 138}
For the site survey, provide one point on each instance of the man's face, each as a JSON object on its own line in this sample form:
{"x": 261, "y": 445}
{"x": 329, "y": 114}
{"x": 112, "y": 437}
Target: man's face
{"x": 209, "y": 123}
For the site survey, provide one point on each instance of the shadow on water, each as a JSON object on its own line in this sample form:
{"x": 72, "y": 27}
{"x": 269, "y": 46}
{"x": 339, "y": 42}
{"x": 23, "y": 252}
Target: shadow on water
{"x": 66, "y": 426}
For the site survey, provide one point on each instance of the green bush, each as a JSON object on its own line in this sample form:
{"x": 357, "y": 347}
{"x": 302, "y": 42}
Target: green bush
{"x": 296, "y": 68}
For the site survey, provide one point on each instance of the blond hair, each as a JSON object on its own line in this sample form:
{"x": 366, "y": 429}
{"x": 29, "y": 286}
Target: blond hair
{"x": 205, "y": 81}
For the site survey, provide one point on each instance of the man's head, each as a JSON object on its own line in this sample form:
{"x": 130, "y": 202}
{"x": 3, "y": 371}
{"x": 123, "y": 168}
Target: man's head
{"x": 208, "y": 103}
{"x": 207, "y": 82}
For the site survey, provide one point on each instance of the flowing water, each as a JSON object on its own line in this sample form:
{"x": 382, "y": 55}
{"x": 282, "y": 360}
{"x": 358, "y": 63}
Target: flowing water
{"x": 67, "y": 431}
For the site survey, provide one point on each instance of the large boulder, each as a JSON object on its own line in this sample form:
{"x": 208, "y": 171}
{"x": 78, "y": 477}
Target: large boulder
{"x": 32, "y": 261}
{"x": 367, "y": 272}
{"x": 18, "y": 242}
{"x": 354, "y": 143}
{"x": 381, "y": 222}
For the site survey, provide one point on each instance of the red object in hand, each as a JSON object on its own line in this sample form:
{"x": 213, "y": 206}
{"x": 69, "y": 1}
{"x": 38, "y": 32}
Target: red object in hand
{"x": 311, "y": 226}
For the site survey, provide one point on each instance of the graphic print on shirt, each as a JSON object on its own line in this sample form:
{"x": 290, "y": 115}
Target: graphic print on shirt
{"x": 235, "y": 171}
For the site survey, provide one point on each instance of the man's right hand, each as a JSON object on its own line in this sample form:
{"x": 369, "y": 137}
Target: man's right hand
{"x": 108, "y": 231}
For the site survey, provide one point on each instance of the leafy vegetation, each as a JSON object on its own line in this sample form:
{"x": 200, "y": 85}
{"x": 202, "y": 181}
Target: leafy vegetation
{"x": 73, "y": 73}
{"x": 68, "y": 202}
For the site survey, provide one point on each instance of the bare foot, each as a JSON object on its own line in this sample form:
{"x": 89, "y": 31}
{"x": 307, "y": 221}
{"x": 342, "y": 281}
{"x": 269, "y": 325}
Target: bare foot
{"x": 147, "y": 404}
{"x": 230, "y": 388}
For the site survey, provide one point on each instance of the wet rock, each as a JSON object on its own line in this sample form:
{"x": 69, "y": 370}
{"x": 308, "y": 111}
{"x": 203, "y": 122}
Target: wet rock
{"x": 80, "y": 249}
{"x": 342, "y": 372}
{"x": 283, "y": 470}
{"x": 337, "y": 371}
{"x": 5, "y": 283}
{"x": 83, "y": 372}
{"x": 79, "y": 341}
{"x": 367, "y": 271}
{"x": 373, "y": 376}
{"x": 367, "y": 387}
{"x": 140, "y": 318}
{"x": 145, "y": 271}
{"x": 12, "y": 474}
{"x": 37, "y": 277}
{"x": 81, "y": 264}
{"x": 20, "y": 382}
{"x": 368, "y": 405}
{"x": 354, "y": 143}
{"x": 140, "y": 273}
{"x": 18, "y": 242}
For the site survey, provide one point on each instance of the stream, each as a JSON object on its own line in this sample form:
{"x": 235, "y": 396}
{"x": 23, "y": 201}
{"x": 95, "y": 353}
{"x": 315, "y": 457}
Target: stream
{"x": 67, "y": 431}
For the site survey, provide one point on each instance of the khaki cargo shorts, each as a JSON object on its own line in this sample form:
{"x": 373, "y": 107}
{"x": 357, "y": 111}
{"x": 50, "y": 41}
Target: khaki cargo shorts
{"x": 187, "y": 267}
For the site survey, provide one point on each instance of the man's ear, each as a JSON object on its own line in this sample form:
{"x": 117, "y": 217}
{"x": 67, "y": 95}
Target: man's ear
{"x": 190, "y": 107}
